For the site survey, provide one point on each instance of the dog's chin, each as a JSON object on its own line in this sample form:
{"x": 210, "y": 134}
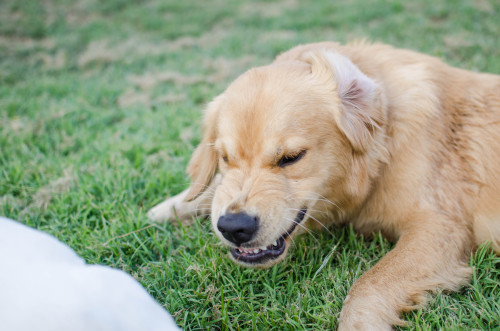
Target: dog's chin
{"x": 272, "y": 254}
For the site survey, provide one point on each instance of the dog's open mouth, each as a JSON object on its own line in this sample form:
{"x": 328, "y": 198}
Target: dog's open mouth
{"x": 273, "y": 251}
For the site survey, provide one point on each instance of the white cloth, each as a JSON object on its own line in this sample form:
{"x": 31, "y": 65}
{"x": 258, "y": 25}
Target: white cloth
{"x": 45, "y": 285}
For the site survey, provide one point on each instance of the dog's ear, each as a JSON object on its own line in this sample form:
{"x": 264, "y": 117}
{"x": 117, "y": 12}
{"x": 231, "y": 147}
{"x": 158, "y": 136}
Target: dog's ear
{"x": 204, "y": 163}
{"x": 360, "y": 114}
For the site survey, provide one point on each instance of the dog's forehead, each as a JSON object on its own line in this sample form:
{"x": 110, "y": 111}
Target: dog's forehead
{"x": 265, "y": 111}
{"x": 264, "y": 100}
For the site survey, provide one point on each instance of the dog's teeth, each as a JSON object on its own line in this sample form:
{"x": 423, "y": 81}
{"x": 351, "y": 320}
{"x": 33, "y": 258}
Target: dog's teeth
{"x": 256, "y": 251}
{"x": 263, "y": 248}
{"x": 275, "y": 243}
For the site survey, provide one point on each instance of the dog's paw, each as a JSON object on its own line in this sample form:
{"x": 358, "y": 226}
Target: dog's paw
{"x": 365, "y": 320}
{"x": 368, "y": 313}
{"x": 162, "y": 212}
{"x": 177, "y": 208}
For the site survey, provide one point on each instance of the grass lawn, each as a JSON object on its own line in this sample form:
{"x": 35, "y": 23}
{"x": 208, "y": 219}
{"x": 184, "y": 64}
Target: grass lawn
{"x": 100, "y": 106}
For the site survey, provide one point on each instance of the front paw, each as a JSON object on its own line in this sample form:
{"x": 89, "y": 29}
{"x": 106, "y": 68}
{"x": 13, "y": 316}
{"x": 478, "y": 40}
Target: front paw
{"x": 162, "y": 212}
{"x": 367, "y": 313}
{"x": 363, "y": 321}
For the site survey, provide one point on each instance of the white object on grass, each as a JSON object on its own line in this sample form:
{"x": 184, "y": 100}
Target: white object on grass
{"x": 45, "y": 285}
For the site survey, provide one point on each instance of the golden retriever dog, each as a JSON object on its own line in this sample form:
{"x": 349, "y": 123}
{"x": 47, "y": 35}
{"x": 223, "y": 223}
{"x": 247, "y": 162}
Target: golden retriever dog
{"x": 385, "y": 139}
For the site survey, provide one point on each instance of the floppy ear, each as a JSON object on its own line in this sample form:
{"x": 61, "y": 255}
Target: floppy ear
{"x": 361, "y": 113}
{"x": 204, "y": 163}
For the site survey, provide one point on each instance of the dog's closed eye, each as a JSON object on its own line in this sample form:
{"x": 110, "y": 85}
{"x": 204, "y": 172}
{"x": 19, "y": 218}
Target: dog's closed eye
{"x": 287, "y": 160}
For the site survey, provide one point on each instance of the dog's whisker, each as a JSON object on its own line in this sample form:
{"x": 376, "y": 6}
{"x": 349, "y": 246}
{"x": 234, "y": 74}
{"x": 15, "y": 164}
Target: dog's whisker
{"x": 313, "y": 218}
{"x": 285, "y": 231}
{"x": 321, "y": 198}
{"x": 309, "y": 231}
{"x": 288, "y": 197}
{"x": 302, "y": 226}
{"x": 317, "y": 211}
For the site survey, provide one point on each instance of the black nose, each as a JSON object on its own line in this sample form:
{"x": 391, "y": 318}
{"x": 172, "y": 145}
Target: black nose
{"x": 237, "y": 228}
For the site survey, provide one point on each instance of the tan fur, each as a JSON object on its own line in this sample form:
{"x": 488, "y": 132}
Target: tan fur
{"x": 417, "y": 157}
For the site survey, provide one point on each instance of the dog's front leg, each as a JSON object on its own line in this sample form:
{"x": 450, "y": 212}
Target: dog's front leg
{"x": 177, "y": 207}
{"x": 429, "y": 255}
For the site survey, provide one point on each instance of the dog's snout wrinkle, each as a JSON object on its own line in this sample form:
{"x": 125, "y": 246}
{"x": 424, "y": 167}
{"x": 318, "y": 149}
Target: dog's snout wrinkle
{"x": 236, "y": 206}
{"x": 238, "y": 228}
{"x": 238, "y": 202}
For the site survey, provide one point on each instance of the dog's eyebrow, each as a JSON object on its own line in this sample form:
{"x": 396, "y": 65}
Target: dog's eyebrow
{"x": 294, "y": 144}
{"x": 291, "y": 145}
{"x": 279, "y": 150}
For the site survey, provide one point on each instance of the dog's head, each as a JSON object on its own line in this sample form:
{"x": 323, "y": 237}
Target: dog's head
{"x": 292, "y": 142}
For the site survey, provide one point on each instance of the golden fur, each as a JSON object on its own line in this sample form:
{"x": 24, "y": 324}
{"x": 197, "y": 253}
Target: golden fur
{"x": 395, "y": 141}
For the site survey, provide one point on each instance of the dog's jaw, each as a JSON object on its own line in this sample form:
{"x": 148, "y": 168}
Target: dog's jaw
{"x": 271, "y": 254}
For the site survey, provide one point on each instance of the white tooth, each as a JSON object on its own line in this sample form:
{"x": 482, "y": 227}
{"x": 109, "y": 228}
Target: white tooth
{"x": 256, "y": 251}
{"x": 275, "y": 243}
{"x": 263, "y": 248}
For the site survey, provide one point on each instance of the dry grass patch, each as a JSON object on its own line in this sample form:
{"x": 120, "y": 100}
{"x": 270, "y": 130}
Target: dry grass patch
{"x": 268, "y": 9}
{"x": 43, "y": 197}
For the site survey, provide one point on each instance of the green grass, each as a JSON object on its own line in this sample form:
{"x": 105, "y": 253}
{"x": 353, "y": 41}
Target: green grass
{"x": 80, "y": 159}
